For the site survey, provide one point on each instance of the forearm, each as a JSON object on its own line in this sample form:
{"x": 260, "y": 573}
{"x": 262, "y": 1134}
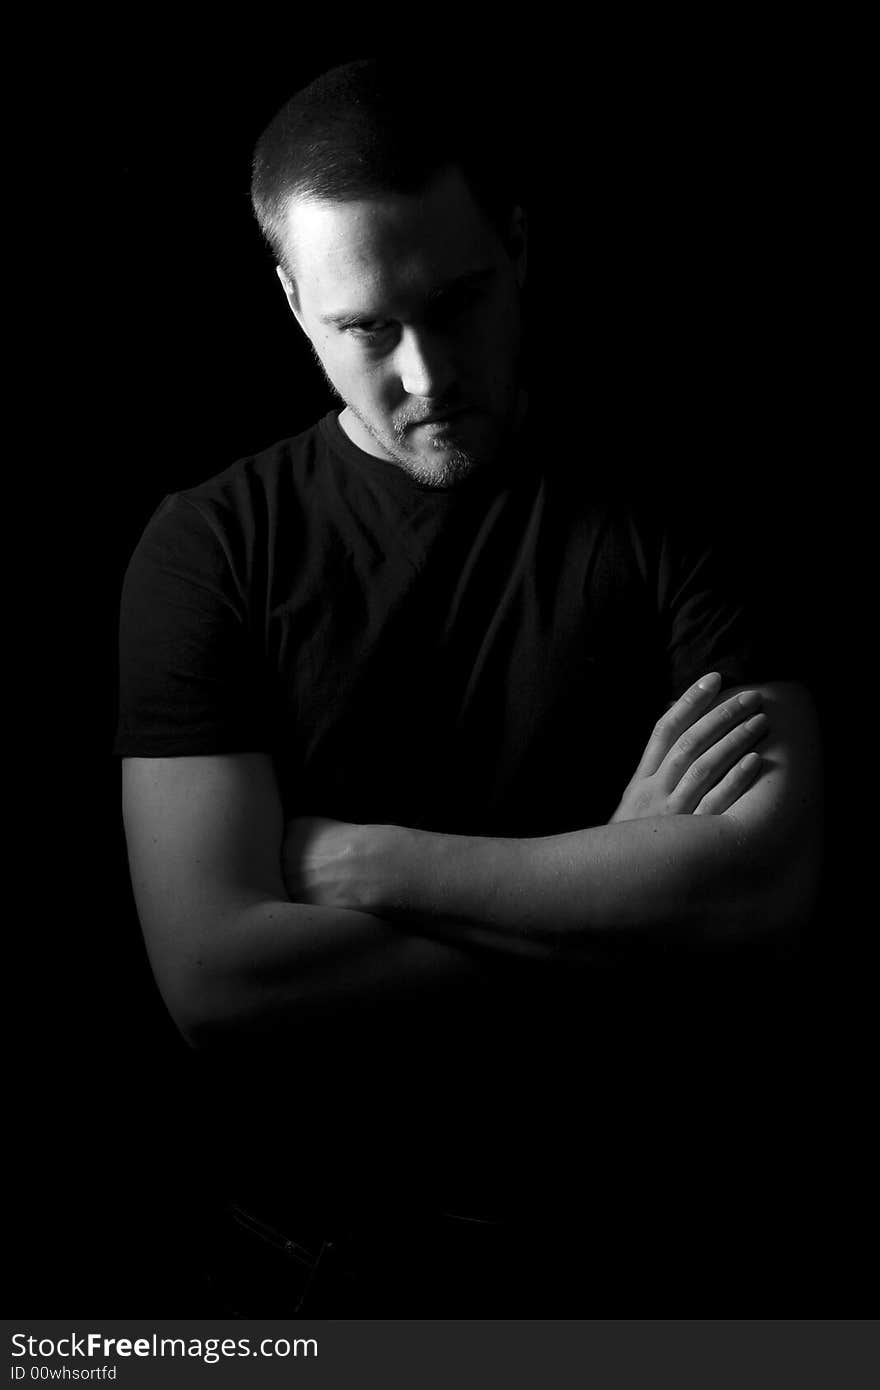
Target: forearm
{"x": 271, "y": 965}
{"x": 721, "y": 860}
{"x": 677, "y": 878}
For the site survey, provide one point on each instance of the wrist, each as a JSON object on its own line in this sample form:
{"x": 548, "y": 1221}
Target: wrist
{"x": 400, "y": 867}
{"x": 384, "y": 865}
{"x": 429, "y": 875}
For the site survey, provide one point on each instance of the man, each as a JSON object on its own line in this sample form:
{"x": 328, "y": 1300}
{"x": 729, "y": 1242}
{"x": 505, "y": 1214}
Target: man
{"x": 422, "y": 738}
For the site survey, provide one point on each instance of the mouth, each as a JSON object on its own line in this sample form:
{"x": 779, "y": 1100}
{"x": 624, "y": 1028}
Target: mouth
{"x": 440, "y": 420}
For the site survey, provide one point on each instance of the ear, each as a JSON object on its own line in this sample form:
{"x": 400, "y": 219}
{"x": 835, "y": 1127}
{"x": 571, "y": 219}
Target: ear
{"x": 517, "y": 243}
{"x": 290, "y": 293}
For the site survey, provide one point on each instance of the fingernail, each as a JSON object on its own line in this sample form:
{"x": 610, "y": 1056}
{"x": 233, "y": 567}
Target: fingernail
{"x": 749, "y": 761}
{"x": 709, "y": 682}
{"x": 750, "y": 698}
{"x": 757, "y": 723}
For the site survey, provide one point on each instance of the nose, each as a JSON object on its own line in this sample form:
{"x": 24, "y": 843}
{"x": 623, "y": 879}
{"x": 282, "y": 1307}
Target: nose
{"x": 425, "y": 364}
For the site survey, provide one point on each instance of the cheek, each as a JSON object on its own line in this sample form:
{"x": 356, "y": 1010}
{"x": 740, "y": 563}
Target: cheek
{"x": 499, "y": 323}
{"x": 492, "y": 345}
{"x": 369, "y": 384}
{"x": 342, "y": 367}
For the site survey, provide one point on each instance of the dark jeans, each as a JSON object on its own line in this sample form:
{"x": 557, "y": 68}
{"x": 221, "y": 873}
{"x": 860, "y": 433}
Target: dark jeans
{"x": 401, "y": 1264}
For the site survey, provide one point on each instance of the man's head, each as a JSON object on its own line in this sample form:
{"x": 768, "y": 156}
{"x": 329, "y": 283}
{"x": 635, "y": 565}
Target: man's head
{"x": 401, "y": 250}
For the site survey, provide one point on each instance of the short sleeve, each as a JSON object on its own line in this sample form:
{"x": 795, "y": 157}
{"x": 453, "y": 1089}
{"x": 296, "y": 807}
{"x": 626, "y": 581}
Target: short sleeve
{"x": 191, "y": 674}
{"x": 710, "y": 621}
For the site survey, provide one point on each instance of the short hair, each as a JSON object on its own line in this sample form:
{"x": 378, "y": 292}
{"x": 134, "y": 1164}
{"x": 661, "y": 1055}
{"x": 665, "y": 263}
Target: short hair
{"x": 369, "y": 128}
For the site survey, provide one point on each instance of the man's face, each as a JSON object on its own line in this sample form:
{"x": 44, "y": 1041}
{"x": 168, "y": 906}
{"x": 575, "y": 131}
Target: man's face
{"x": 411, "y": 304}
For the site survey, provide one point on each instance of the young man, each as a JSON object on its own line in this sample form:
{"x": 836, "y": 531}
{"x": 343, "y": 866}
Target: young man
{"x": 422, "y": 738}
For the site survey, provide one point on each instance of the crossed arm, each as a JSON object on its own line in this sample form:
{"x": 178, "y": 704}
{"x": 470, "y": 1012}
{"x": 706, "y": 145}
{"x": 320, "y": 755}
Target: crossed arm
{"x": 252, "y": 925}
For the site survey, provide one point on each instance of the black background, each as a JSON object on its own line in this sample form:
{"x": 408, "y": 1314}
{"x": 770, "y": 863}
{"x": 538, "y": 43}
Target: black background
{"x": 681, "y": 188}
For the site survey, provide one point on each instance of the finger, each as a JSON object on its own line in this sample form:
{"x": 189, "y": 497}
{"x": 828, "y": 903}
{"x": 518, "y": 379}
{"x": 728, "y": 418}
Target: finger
{"x": 708, "y": 730}
{"x": 738, "y": 780}
{"x": 688, "y": 707}
{"x": 707, "y": 771}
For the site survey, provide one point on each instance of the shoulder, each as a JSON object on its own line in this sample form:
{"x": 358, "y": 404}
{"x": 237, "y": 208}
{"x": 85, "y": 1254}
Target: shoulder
{"x": 239, "y": 510}
{"x": 254, "y": 486}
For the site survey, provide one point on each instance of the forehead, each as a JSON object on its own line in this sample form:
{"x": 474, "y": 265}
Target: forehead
{"x": 370, "y": 254}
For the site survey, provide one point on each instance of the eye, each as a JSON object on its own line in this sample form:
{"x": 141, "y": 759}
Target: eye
{"x": 468, "y": 294}
{"x": 369, "y": 330}
{"x": 457, "y": 301}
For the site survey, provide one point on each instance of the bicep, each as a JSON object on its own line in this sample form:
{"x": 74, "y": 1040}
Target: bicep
{"x": 780, "y": 813}
{"x": 204, "y": 837}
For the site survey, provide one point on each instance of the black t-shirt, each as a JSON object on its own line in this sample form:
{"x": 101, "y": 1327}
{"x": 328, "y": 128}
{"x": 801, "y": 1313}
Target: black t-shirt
{"x": 485, "y": 659}
{"x": 488, "y": 659}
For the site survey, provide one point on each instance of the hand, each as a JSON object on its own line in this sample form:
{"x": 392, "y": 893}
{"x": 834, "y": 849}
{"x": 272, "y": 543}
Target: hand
{"x": 332, "y": 863}
{"x": 699, "y": 759}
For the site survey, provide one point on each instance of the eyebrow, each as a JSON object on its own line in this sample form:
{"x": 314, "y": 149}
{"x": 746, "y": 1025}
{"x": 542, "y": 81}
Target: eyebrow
{"x": 471, "y": 278}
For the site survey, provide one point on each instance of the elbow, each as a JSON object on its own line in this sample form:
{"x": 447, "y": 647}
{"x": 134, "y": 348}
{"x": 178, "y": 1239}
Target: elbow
{"x": 200, "y": 1030}
{"x": 211, "y": 1030}
{"x": 202, "y": 1008}
{"x": 187, "y": 1001}
{"x": 774, "y": 876}
{"x": 792, "y": 879}
{"x": 222, "y": 1008}
{"x": 780, "y": 913}
{"x": 795, "y": 899}
{"x": 804, "y": 891}
{"x": 775, "y": 901}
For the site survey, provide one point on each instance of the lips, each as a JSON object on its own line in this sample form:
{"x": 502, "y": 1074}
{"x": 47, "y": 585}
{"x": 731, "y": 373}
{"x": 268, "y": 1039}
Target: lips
{"x": 441, "y": 419}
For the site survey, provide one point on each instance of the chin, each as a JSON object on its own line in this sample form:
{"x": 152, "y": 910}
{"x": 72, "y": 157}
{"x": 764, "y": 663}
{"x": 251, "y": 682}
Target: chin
{"x": 445, "y": 460}
{"x": 460, "y": 453}
{"x": 442, "y": 468}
